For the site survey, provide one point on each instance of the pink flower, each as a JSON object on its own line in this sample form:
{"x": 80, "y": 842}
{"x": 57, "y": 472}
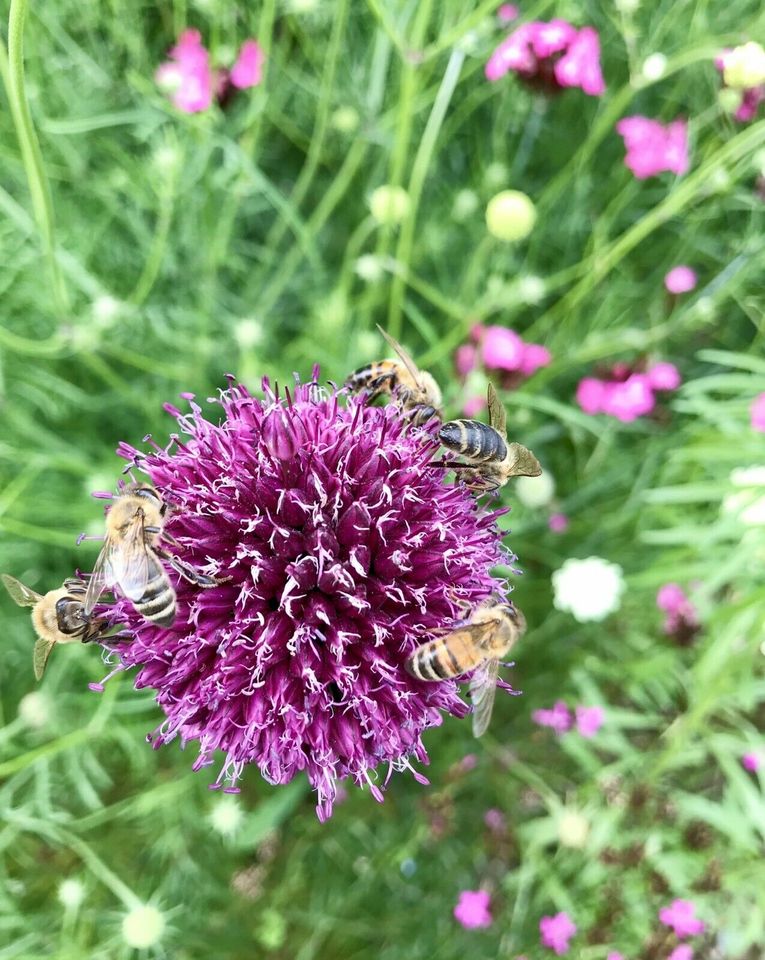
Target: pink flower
{"x": 671, "y": 598}
{"x": 680, "y": 280}
{"x": 558, "y": 718}
{"x": 580, "y": 65}
{"x": 751, "y": 97}
{"x": 556, "y": 932}
{"x": 502, "y": 349}
{"x": 507, "y": 12}
{"x": 558, "y": 522}
{"x": 683, "y": 952}
{"x": 652, "y": 147}
{"x": 552, "y": 55}
{"x": 757, "y": 412}
{"x": 465, "y": 359}
{"x": 629, "y": 400}
{"x": 615, "y": 955}
{"x": 495, "y": 820}
{"x": 534, "y": 357}
{"x": 751, "y": 762}
{"x": 681, "y": 916}
{"x": 248, "y": 69}
{"x": 664, "y": 376}
{"x": 187, "y": 76}
{"x": 589, "y": 720}
{"x": 473, "y": 406}
{"x": 682, "y": 620}
{"x": 590, "y": 395}
{"x": 472, "y": 909}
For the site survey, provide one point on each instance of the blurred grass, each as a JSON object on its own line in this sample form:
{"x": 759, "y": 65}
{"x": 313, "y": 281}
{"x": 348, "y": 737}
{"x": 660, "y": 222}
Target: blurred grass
{"x": 185, "y": 247}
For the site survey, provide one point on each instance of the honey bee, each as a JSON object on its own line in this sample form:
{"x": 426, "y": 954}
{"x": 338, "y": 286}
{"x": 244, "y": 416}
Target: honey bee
{"x": 491, "y": 461}
{"x": 58, "y": 617}
{"x": 131, "y": 556}
{"x": 415, "y": 390}
{"x": 479, "y": 645}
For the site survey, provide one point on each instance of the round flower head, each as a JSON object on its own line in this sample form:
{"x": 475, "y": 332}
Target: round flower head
{"x": 472, "y": 909}
{"x": 340, "y": 549}
{"x": 680, "y": 279}
{"x": 588, "y": 589}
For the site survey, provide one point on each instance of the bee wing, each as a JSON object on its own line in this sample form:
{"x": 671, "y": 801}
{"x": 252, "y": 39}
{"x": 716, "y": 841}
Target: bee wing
{"x": 483, "y": 687}
{"x": 130, "y": 561}
{"x": 403, "y": 355}
{"x": 20, "y": 594}
{"x": 497, "y": 415}
{"x": 523, "y": 463}
{"x": 40, "y": 656}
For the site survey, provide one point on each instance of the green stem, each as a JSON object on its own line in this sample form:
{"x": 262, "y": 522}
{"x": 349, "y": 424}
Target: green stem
{"x": 12, "y": 71}
{"x": 417, "y": 181}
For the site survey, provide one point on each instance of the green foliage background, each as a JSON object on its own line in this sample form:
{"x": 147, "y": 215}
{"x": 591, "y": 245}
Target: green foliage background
{"x": 185, "y": 247}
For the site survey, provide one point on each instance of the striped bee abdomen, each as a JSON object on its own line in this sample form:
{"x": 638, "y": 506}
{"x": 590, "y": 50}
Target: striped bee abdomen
{"x": 474, "y": 440}
{"x": 444, "y": 657}
{"x": 158, "y": 601}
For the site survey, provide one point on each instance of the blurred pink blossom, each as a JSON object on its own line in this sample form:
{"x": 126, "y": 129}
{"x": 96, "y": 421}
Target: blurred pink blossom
{"x": 553, "y": 54}
{"x": 629, "y": 400}
{"x": 556, "y": 932}
{"x": 248, "y": 69}
{"x": 664, "y": 376}
{"x": 495, "y": 820}
{"x": 680, "y": 279}
{"x": 590, "y": 395}
{"x": 465, "y": 359}
{"x": 558, "y": 522}
{"x": 751, "y": 97}
{"x": 615, "y": 955}
{"x": 473, "y": 406}
{"x": 751, "y": 762}
{"x": 558, "y": 718}
{"x": 652, "y": 147}
{"x": 535, "y": 356}
{"x": 681, "y": 916}
{"x": 757, "y": 412}
{"x": 683, "y": 952}
{"x": 502, "y": 349}
{"x": 508, "y": 12}
{"x": 187, "y": 76}
{"x": 682, "y": 617}
{"x": 589, "y": 720}
{"x": 472, "y": 909}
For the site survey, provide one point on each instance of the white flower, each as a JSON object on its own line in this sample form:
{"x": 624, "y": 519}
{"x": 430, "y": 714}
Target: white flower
{"x": 143, "y": 927}
{"x": 573, "y": 829}
{"x": 531, "y": 289}
{"x": 535, "y": 491}
{"x": 654, "y": 66}
{"x": 71, "y": 893}
{"x": 226, "y": 816}
{"x": 748, "y": 501}
{"x": 744, "y": 66}
{"x": 588, "y": 589}
{"x": 465, "y": 205}
{"x": 248, "y": 333}
{"x": 369, "y": 267}
{"x": 35, "y": 709}
{"x": 106, "y": 309}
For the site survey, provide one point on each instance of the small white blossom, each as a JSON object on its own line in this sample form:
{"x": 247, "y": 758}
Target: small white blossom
{"x": 345, "y": 119}
{"x": 143, "y": 927}
{"x": 588, "y": 589}
{"x": 369, "y": 268}
{"x": 465, "y": 205}
{"x": 496, "y": 175}
{"x": 531, "y": 289}
{"x": 573, "y": 829}
{"x": 35, "y": 709}
{"x": 654, "y": 66}
{"x": 248, "y": 333}
{"x": 71, "y": 893}
{"x": 748, "y": 500}
{"x": 106, "y": 309}
{"x": 535, "y": 491}
{"x": 226, "y": 816}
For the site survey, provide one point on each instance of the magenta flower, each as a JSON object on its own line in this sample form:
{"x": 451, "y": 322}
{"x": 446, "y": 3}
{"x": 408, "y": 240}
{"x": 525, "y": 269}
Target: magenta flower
{"x": 630, "y": 399}
{"x": 495, "y": 820}
{"x": 680, "y": 279}
{"x": 589, "y": 720}
{"x": 681, "y": 916}
{"x": 558, "y": 522}
{"x": 757, "y": 413}
{"x": 751, "y": 97}
{"x": 473, "y": 406}
{"x": 507, "y": 12}
{"x": 558, "y": 718}
{"x": 550, "y": 55}
{"x": 344, "y": 550}
{"x": 664, "y": 376}
{"x": 187, "y": 76}
{"x": 535, "y": 356}
{"x": 683, "y": 952}
{"x": 590, "y": 395}
{"x": 751, "y": 762}
{"x": 653, "y": 148}
{"x": 465, "y": 359}
{"x": 472, "y": 909}
{"x": 615, "y": 955}
{"x": 502, "y": 349}
{"x": 248, "y": 69}
{"x": 682, "y": 620}
{"x": 556, "y": 932}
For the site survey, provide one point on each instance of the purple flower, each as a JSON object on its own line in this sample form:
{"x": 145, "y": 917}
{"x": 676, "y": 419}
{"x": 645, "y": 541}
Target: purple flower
{"x": 495, "y": 820}
{"x": 590, "y": 395}
{"x": 630, "y": 399}
{"x": 589, "y": 720}
{"x": 652, "y": 147}
{"x": 187, "y": 76}
{"x": 248, "y": 69}
{"x": 751, "y": 762}
{"x": 507, "y": 12}
{"x": 552, "y": 55}
{"x": 615, "y": 955}
{"x": 664, "y": 376}
{"x": 558, "y": 718}
{"x": 344, "y": 550}
{"x": 682, "y": 620}
{"x": 556, "y": 932}
{"x": 680, "y": 279}
{"x": 558, "y": 522}
{"x": 681, "y": 916}
{"x": 757, "y": 413}
{"x": 472, "y": 909}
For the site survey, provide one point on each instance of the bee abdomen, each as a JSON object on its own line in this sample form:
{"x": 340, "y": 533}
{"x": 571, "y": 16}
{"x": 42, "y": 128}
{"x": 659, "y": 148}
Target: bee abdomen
{"x": 441, "y": 659}
{"x": 158, "y": 601}
{"x": 473, "y": 439}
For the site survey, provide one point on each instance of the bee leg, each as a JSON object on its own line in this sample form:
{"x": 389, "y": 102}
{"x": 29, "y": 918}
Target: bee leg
{"x": 169, "y": 538}
{"x": 188, "y": 572}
